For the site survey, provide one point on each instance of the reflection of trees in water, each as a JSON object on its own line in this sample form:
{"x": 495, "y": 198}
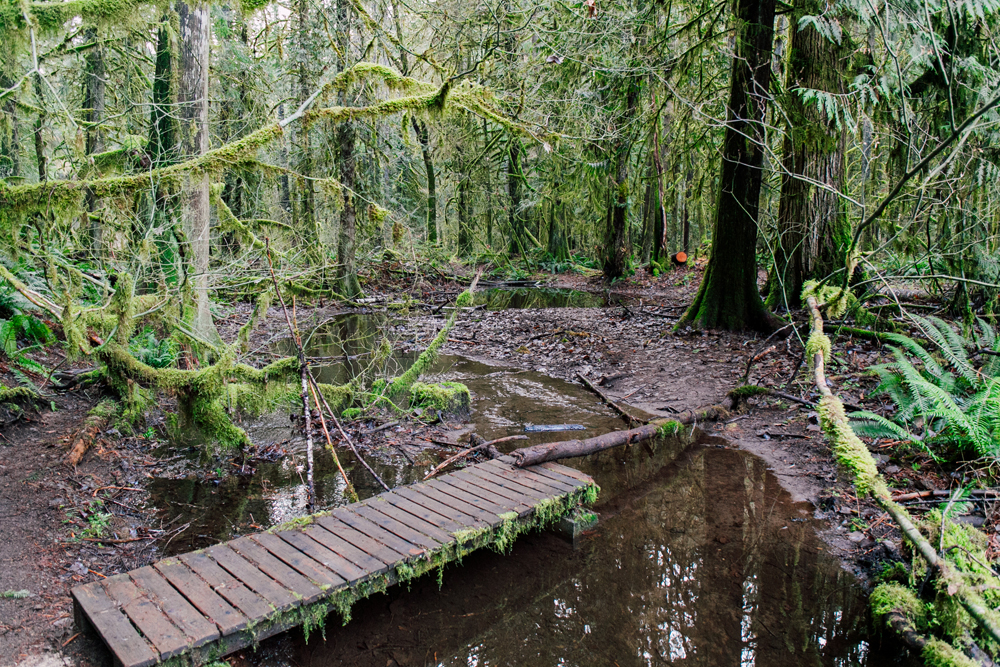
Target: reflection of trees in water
{"x": 704, "y": 569}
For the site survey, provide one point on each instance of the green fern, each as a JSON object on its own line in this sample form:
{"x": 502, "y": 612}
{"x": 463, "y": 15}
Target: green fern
{"x": 944, "y": 403}
{"x": 152, "y": 352}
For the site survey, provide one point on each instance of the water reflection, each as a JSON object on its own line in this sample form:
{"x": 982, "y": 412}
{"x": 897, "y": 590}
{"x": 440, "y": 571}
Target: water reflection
{"x": 703, "y": 562}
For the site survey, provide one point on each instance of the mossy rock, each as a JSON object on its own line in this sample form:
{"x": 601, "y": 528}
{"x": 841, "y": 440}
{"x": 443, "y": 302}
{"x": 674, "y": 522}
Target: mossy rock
{"x": 450, "y": 398}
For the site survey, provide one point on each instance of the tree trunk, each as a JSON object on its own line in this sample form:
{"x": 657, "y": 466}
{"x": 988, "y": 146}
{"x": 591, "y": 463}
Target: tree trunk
{"x": 617, "y": 245}
{"x": 464, "y": 231}
{"x": 10, "y": 165}
{"x": 93, "y": 114}
{"x": 423, "y": 136}
{"x": 192, "y": 109}
{"x": 515, "y": 216}
{"x": 813, "y": 231}
{"x": 162, "y": 127}
{"x": 728, "y": 297}
{"x": 40, "y": 158}
{"x": 346, "y": 259}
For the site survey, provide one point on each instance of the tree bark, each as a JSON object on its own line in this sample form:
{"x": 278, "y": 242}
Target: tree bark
{"x": 617, "y": 245}
{"x": 515, "y": 216}
{"x": 813, "y": 231}
{"x": 728, "y": 297}
{"x": 423, "y": 136}
{"x": 93, "y": 114}
{"x": 192, "y": 109}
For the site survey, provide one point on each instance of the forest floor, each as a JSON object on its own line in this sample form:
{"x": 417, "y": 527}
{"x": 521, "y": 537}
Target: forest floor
{"x": 49, "y": 512}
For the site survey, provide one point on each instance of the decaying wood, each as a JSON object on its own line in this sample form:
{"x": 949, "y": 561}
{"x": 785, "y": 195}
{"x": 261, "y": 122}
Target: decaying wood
{"x": 92, "y": 427}
{"x": 629, "y": 419}
{"x": 480, "y": 446}
{"x": 553, "y": 451}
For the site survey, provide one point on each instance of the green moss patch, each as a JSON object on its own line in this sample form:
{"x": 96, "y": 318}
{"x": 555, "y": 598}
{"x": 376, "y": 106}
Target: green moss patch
{"x": 451, "y": 398}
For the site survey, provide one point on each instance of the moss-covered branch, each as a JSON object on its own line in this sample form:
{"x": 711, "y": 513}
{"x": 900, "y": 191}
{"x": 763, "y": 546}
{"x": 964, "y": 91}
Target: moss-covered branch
{"x": 854, "y": 457}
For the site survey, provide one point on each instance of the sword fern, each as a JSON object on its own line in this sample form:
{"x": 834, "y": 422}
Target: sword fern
{"x": 945, "y": 404}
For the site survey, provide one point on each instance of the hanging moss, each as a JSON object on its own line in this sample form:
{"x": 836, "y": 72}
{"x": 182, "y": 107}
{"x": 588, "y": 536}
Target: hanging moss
{"x": 892, "y": 597}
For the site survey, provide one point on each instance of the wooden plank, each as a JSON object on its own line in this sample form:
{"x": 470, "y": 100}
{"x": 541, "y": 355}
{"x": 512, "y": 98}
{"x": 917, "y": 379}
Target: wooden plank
{"x": 445, "y": 517}
{"x": 517, "y": 502}
{"x": 565, "y": 471}
{"x": 556, "y": 476}
{"x": 436, "y": 519}
{"x": 514, "y": 486}
{"x": 198, "y": 629}
{"x": 166, "y": 637}
{"x": 251, "y": 605}
{"x": 253, "y": 578}
{"x": 368, "y": 529}
{"x": 462, "y": 513}
{"x": 395, "y": 526}
{"x": 276, "y": 569}
{"x": 521, "y": 481}
{"x": 410, "y": 519}
{"x": 363, "y": 560}
{"x": 113, "y": 626}
{"x": 361, "y": 541}
{"x": 457, "y": 489}
{"x": 202, "y": 596}
{"x": 525, "y": 475}
{"x": 340, "y": 566}
{"x": 301, "y": 562}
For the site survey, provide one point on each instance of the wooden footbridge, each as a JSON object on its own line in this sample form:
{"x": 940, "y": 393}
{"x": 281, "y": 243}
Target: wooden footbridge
{"x": 194, "y": 608}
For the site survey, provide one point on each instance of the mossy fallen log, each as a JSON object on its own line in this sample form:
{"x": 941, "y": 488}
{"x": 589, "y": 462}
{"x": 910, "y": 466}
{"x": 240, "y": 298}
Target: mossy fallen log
{"x": 854, "y": 457}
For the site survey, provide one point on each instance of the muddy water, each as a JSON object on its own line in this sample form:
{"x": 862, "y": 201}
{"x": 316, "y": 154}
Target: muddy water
{"x": 234, "y": 501}
{"x": 700, "y": 558}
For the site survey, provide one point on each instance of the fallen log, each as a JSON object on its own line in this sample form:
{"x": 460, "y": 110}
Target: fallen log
{"x": 854, "y": 456}
{"x": 553, "y": 451}
{"x": 95, "y": 423}
{"x": 624, "y": 414}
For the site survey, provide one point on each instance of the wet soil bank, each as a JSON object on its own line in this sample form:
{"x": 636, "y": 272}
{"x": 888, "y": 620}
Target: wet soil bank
{"x": 545, "y": 600}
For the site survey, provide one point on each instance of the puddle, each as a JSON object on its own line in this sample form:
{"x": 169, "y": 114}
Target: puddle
{"x": 505, "y": 402}
{"x": 700, "y": 558}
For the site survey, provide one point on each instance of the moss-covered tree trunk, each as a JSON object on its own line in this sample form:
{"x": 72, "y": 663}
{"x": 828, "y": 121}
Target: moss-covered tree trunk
{"x": 93, "y": 114}
{"x": 40, "y": 158}
{"x": 813, "y": 231}
{"x": 346, "y": 249}
{"x": 464, "y": 221}
{"x": 192, "y": 110}
{"x": 10, "y": 165}
{"x": 515, "y": 214}
{"x": 728, "y": 297}
{"x": 617, "y": 245}
{"x": 423, "y": 136}
{"x": 347, "y": 269}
